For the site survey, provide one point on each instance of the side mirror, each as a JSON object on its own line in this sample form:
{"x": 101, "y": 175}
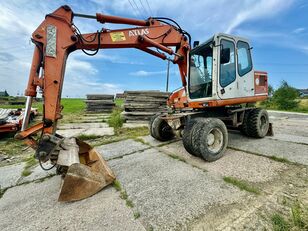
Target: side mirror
{"x": 196, "y": 43}
{"x": 224, "y": 55}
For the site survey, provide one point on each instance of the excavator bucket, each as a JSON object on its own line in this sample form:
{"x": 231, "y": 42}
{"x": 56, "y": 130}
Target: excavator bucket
{"x": 87, "y": 172}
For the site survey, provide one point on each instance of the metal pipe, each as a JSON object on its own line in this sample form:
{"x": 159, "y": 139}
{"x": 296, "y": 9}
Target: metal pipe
{"x": 26, "y": 118}
{"x": 84, "y": 16}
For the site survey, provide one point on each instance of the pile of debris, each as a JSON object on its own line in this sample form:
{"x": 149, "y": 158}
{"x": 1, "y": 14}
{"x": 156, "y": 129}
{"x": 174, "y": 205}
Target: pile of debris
{"x": 100, "y": 103}
{"x": 140, "y": 106}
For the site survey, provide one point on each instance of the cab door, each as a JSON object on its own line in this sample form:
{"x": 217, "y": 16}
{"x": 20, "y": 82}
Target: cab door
{"x": 235, "y": 73}
{"x": 227, "y": 84}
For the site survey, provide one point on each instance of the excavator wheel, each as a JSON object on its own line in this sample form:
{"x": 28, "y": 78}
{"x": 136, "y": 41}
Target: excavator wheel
{"x": 159, "y": 129}
{"x": 244, "y": 126}
{"x": 213, "y": 139}
{"x": 190, "y": 135}
{"x": 257, "y": 123}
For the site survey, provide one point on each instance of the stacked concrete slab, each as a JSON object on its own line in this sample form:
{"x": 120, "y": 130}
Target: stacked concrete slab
{"x": 140, "y": 106}
{"x": 100, "y": 103}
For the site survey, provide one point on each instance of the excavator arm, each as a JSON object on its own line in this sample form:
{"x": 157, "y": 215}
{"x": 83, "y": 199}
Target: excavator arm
{"x": 55, "y": 38}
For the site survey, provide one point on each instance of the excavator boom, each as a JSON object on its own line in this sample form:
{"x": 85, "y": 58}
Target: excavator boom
{"x": 56, "y": 37}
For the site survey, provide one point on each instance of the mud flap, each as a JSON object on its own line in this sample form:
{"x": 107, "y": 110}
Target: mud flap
{"x": 86, "y": 178}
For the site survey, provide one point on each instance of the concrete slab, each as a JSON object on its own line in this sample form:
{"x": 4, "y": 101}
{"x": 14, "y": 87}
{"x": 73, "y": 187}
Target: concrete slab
{"x": 34, "y": 206}
{"x": 38, "y": 173}
{"x": 135, "y": 125}
{"x": 169, "y": 193}
{"x": 82, "y": 125}
{"x": 99, "y": 131}
{"x": 153, "y": 142}
{"x": 297, "y": 153}
{"x": 290, "y": 138}
{"x": 121, "y": 148}
{"x": 10, "y": 174}
{"x": 237, "y": 164}
{"x": 71, "y": 132}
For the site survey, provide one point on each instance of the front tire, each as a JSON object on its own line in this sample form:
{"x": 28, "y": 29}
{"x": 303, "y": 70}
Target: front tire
{"x": 213, "y": 139}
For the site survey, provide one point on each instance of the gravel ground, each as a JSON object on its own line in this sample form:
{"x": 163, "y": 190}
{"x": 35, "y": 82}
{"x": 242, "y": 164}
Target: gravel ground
{"x": 34, "y": 206}
{"x": 234, "y": 163}
{"x": 9, "y": 175}
{"x": 119, "y": 149}
{"x": 169, "y": 193}
{"x": 297, "y": 153}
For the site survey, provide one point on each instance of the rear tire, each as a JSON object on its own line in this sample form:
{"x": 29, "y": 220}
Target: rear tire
{"x": 258, "y": 123}
{"x": 244, "y": 126}
{"x": 159, "y": 129}
{"x": 213, "y": 139}
{"x": 190, "y": 135}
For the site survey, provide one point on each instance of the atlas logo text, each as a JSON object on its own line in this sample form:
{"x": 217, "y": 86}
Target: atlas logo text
{"x": 138, "y": 32}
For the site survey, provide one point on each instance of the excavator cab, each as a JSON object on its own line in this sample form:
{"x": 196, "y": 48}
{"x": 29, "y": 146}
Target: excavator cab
{"x": 221, "y": 68}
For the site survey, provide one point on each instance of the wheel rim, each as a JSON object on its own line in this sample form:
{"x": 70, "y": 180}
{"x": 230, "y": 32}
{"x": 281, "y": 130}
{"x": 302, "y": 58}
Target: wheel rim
{"x": 215, "y": 140}
{"x": 263, "y": 124}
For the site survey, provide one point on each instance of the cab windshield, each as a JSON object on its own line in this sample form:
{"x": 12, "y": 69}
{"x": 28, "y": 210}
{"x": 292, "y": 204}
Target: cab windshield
{"x": 200, "y": 72}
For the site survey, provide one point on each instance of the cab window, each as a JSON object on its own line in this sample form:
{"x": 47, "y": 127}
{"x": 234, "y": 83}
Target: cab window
{"x": 227, "y": 70}
{"x": 244, "y": 62}
{"x": 200, "y": 72}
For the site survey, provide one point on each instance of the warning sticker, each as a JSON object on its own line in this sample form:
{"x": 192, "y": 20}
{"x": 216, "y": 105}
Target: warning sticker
{"x": 117, "y": 36}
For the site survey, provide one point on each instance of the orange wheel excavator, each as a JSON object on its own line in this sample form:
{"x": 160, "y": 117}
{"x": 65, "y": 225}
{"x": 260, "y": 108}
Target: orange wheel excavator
{"x": 217, "y": 77}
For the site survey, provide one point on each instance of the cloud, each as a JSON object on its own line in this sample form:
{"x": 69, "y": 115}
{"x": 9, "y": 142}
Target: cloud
{"x": 299, "y": 30}
{"x": 147, "y": 73}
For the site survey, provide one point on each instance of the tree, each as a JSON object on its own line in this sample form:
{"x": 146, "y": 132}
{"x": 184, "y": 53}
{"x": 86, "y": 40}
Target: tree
{"x": 285, "y": 97}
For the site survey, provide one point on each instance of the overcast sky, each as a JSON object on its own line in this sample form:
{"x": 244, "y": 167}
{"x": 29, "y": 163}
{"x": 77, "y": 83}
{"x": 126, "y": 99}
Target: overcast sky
{"x": 277, "y": 29}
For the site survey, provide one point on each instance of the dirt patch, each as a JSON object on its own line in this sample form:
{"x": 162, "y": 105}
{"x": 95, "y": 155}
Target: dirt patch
{"x": 278, "y": 198}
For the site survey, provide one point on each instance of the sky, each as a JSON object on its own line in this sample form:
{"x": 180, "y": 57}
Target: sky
{"x": 277, "y": 30}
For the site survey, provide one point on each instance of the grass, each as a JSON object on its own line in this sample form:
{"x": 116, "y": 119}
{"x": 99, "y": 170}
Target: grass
{"x": 2, "y": 191}
{"x": 116, "y": 120}
{"x": 117, "y": 185}
{"x": 136, "y": 215}
{"x": 302, "y": 106}
{"x": 123, "y": 193}
{"x": 30, "y": 162}
{"x": 120, "y": 134}
{"x": 119, "y": 102}
{"x": 176, "y": 157}
{"x": 11, "y": 147}
{"x": 88, "y": 137}
{"x": 280, "y": 159}
{"x": 279, "y": 223}
{"x": 242, "y": 185}
{"x": 297, "y": 219}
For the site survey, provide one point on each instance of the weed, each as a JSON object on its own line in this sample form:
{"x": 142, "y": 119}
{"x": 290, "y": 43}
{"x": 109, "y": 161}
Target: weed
{"x": 2, "y": 191}
{"x": 279, "y": 159}
{"x": 116, "y": 119}
{"x": 296, "y": 212}
{"x": 242, "y": 185}
{"x": 138, "y": 139}
{"x": 123, "y": 195}
{"x": 129, "y": 203}
{"x": 177, "y": 157}
{"x": 117, "y": 185}
{"x": 30, "y": 162}
{"x": 88, "y": 137}
{"x": 136, "y": 215}
{"x": 279, "y": 223}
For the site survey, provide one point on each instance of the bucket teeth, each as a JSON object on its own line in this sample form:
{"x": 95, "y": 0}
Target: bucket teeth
{"x": 86, "y": 178}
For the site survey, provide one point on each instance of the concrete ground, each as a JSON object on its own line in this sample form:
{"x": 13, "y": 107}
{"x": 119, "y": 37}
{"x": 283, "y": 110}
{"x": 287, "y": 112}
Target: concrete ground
{"x": 165, "y": 188}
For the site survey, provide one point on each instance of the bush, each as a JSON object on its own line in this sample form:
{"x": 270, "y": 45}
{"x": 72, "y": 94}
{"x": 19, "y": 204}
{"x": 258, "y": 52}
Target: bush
{"x": 116, "y": 119}
{"x": 285, "y": 97}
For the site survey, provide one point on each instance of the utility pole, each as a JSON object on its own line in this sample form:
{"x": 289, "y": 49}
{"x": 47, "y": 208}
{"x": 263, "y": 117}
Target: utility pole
{"x": 167, "y": 84}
